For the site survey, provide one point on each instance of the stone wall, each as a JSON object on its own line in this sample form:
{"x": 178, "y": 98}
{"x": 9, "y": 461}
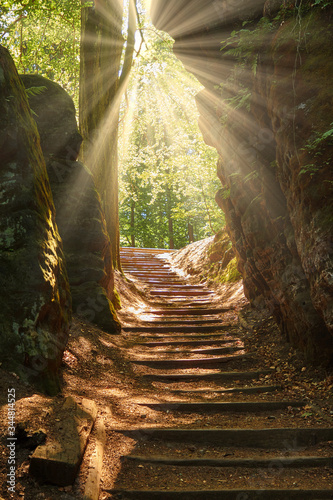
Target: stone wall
{"x": 34, "y": 292}
{"x": 267, "y": 108}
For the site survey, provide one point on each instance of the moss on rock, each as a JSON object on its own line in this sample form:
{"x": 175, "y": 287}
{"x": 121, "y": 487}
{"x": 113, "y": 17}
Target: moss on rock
{"x": 34, "y": 291}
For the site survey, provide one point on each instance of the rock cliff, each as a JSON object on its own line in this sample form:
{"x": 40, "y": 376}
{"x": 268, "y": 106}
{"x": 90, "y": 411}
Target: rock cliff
{"x": 34, "y": 291}
{"x": 267, "y": 68}
{"x": 79, "y": 213}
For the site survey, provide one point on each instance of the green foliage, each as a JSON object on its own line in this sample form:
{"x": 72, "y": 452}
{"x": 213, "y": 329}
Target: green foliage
{"x": 225, "y": 193}
{"x": 116, "y": 300}
{"x": 241, "y": 100}
{"x": 322, "y": 142}
{"x": 43, "y": 37}
{"x": 32, "y": 91}
{"x": 257, "y": 199}
{"x": 244, "y": 44}
{"x": 309, "y": 169}
{"x": 243, "y": 47}
{"x": 322, "y": 3}
{"x": 251, "y": 176}
{"x": 168, "y": 175}
{"x": 230, "y": 273}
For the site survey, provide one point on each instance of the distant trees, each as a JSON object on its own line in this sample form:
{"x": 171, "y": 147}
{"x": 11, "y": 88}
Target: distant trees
{"x": 167, "y": 173}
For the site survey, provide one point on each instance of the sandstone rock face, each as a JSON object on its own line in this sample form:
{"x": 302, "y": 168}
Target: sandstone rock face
{"x": 79, "y": 213}
{"x": 267, "y": 108}
{"x": 34, "y": 291}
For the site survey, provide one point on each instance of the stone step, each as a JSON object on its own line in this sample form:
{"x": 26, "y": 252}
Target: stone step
{"x": 221, "y": 376}
{"x": 258, "y": 463}
{"x": 130, "y": 257}
{"x": 231, "y": 390}
{"x": 188, "y": 303}
{"x": 144, "y": 251}
{"x": 186, "y": 342}
{"x": 223, "y": 494}
{"x": 166, "y": 283}
{"x": 169, "y": 337}
{"x": 151, "y": 269}
{"x": 183, "y": 322}
{"x": 180, "y": 293}
{"x": 185, "y": 286}
{"x": 146, "y": 268}
{"x": 185, "y": 363}
{"x": 144, "y": 263}
{"x": 171, "y": 328}
{"x": 154, "y": 274}
{"x": 272, "y": 438}
{"x": 176, "y": 286}
{"x": 190, "y": 311}
{"x": 242, "y": 407}
{"x": 153, "y": 284}
{"x": 215, "y": 350}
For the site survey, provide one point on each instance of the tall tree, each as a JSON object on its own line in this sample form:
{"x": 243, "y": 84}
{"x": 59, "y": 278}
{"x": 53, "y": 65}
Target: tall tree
{"x": 103, "y": 80}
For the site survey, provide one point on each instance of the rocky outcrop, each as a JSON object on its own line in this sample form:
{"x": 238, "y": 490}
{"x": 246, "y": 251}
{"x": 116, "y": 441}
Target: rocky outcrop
{"x": 79, "y": 213}
{"x": 267, "y": 108}
{"x": 211, "y": 260}
{"x": 34, "y": 291}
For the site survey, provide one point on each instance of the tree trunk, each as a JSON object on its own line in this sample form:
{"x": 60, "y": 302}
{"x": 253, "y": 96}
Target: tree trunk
{"x": 171, "y": 242}
{"x": 101, "y": 49}
{"x": 133, "y": 223}
{"x": 169, "y": 215}
{"x": 190, "y": 233}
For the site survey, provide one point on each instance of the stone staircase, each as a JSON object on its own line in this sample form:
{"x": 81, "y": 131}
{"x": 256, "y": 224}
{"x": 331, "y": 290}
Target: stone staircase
{"x": 219, "y": 430}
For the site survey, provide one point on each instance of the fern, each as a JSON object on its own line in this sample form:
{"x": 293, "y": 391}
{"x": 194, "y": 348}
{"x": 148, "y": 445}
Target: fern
{"x": 310, "y": 169}
{"x": 255, "y": 65}
{"x": 225, "y": 193}
{"x": 322, "y": 3}
{"x": 32, "y": 91}
{"x": 317, "y": 143}
{"x": 241, "y": 100}
{"x": 257, "y": 199}
{"x": 251, "y": 176}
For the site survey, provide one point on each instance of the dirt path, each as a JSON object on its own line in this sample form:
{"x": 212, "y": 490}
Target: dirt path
{"x": 211, "y": 424}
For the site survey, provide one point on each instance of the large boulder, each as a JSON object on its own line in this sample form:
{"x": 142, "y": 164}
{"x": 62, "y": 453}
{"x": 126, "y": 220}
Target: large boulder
{"x": 34, "y": 291}
{"x": 79, "y": 213}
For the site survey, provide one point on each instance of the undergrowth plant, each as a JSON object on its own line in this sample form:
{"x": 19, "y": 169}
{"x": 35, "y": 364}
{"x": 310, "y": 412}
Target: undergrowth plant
{"x": 317, "y": 148}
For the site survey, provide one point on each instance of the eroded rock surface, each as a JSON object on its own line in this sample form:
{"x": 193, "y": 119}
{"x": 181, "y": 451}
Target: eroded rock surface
{"x": 267, "y": 109}
{"x": 34, "y": 291}
{"x": 79, "y": 213}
